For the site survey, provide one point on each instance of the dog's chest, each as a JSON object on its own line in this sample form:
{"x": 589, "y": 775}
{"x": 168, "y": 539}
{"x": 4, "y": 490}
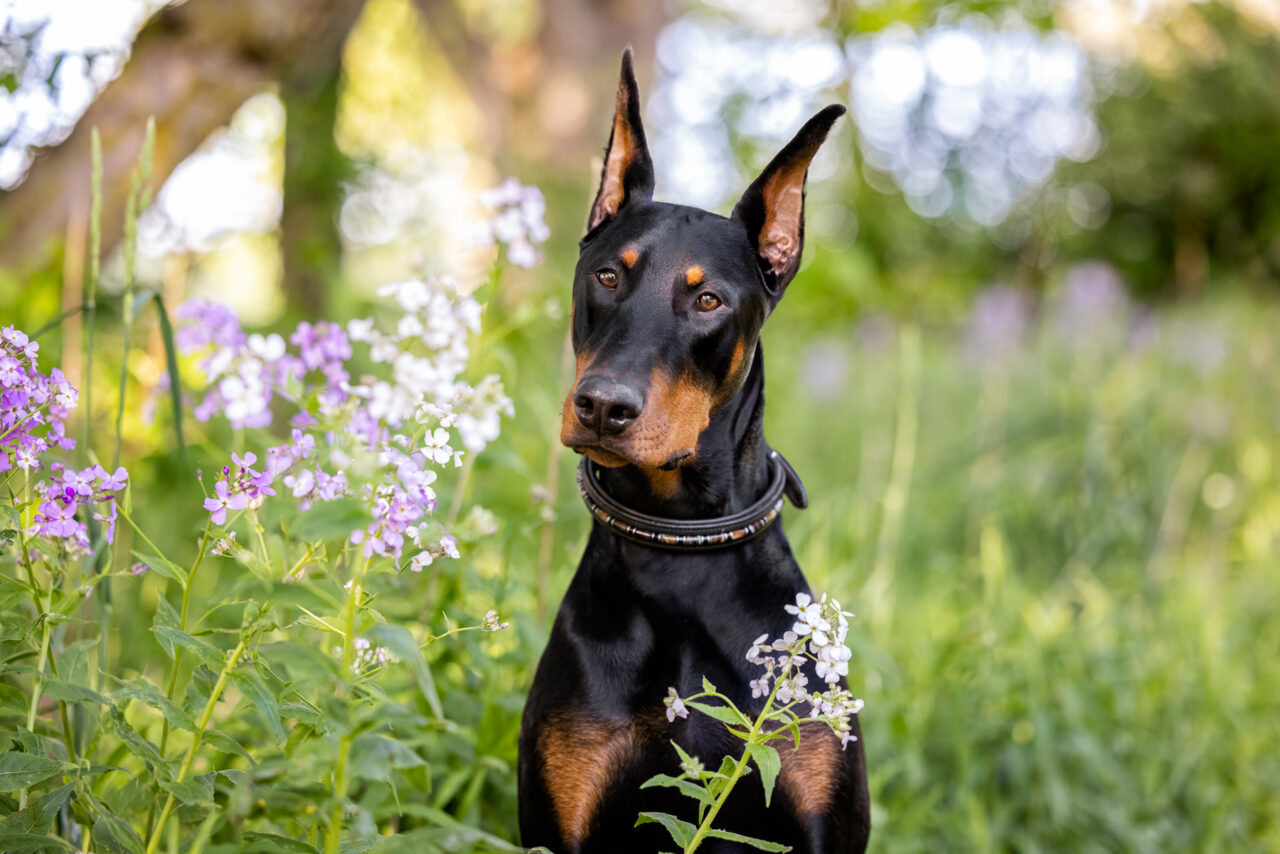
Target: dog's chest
{"x": 593, "y": 767}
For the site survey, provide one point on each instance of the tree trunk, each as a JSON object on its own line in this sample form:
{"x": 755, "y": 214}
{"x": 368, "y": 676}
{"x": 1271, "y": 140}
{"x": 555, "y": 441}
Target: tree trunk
{"x": 191, "y": 67}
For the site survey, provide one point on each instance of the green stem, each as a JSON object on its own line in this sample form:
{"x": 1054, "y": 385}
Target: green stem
{"x": 333, "y": 838}
{"x": 231, "y": 661}
{"x": 172, "y": 688}
{"x": 901, "y": 468}
{"x": 45, "y": 653}
{"x": 738, "y": 770}
{"x": 125, "y": 515}
{"x": 91, "y": 284}
{"x": 464, "y": 481}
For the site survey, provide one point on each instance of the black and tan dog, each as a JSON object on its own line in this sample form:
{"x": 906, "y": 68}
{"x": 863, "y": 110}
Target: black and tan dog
{"x": 686, "y": 564}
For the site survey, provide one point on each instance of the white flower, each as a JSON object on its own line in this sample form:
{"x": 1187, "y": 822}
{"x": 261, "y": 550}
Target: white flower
{"x": 435, "y": 446}
{"x": 268, "y": 348}
{"x": 758, "y": 646}
{"x": 245, "y": 397}
{"x": 675, "y": 706}
{"x": 809, "y": 620}
{"x": 412, "y": 295}
{"x": 760, "y": 687}
{"x": 787, "y": 641}
{"x": 492, "y": 623}
{"x": 360, "y": 329}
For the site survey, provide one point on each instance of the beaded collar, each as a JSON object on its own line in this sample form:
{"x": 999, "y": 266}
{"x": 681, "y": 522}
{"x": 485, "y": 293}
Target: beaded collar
{"x": 692, "y": 534}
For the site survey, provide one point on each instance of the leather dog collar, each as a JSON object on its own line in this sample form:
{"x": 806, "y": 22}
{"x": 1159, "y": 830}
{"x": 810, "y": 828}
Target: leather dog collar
{"x": 715, "y": 532}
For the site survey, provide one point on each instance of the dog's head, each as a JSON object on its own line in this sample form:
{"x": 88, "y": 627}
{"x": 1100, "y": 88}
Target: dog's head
{"x": 668, "y": 300}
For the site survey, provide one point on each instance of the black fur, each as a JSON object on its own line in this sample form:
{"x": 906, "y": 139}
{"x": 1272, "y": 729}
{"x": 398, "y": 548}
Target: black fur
{"x": 636, "y": 619}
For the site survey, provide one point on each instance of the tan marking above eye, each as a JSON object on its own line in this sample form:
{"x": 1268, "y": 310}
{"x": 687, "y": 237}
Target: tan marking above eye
{"x": 630, "y": 257}
{"x": 694, "y": 275}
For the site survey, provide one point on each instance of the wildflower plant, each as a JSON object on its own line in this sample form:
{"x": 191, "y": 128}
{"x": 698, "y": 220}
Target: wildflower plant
{"x": 814, "y": 645}
{"x": 277, "y": 687}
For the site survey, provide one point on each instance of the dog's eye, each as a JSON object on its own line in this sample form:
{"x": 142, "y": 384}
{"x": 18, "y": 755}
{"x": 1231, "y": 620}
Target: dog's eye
{"x": 607, "y": 277}
{"x": 708, "y": 302}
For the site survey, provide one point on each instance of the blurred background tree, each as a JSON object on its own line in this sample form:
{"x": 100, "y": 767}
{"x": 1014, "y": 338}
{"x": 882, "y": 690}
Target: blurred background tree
{"x": 993, "y": 139}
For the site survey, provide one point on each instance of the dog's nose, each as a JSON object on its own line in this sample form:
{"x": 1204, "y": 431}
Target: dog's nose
{"x": 606, "y": 406}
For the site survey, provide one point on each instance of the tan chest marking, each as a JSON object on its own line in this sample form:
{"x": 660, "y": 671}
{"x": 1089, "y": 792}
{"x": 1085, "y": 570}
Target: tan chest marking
{"x": 808, "y": 774}
{"x": 582, "y": 760}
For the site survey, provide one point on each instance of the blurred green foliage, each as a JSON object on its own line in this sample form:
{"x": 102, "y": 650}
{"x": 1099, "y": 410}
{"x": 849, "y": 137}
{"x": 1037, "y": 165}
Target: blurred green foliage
{"x": 1189, "y": 161}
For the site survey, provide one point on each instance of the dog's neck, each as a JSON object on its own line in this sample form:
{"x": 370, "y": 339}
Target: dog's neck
{"x": 728, "y": 472}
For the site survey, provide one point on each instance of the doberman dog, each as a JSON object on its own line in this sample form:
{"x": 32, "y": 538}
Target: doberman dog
{"x": 686, "y": 562}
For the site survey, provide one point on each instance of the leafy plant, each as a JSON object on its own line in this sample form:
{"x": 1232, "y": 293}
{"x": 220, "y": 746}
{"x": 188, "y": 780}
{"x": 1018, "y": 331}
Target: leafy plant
{"x": 815, "y": 643}
{"x": 274, "y": 721}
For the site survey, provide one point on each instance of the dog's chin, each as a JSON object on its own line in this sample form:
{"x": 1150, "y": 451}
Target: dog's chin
{"x": 602, "y": 457}
{"x": 611, "y": 458}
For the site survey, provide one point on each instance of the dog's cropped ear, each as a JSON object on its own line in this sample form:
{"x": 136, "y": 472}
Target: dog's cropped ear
{"x": 628, "y": 169}
{"x": 772, "y": 208}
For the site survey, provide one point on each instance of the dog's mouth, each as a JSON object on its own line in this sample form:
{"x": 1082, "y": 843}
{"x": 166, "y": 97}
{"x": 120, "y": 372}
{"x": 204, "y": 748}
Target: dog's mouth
{"x": 613, "y": 457}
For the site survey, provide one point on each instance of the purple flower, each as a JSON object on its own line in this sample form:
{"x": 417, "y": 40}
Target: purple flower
{"x": 222, "y": 502}
{"x": 246, "y": 462}
{"x": 302, "y": 483}
{"x": 79, "y": 482}
{"x": 113, "y": 482}
{"x": 109, "y": 519}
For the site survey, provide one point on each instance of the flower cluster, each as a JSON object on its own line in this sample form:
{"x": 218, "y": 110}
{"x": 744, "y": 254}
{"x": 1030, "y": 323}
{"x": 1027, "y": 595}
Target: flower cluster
{"x": 349, "y": 433}
{"x": 817, "y": 637}
{"x": 367, "y": 656}
{"x": 33, "y": 412}
{"x": 493, "y": 623}
{"x": 33, "y": 407}
{"x": 516, "y": 218}
{"x": 63, "y": 501}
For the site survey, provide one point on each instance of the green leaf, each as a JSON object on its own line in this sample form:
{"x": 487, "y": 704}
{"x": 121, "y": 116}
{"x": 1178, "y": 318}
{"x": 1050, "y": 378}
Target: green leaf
{"x": 17, "y": 630}
{"x": 197, "y": 791}
{"x": 41, "y": 745}
{"x": 707, "y": 686}
{"x": 724, "y": 714}
{"x": 205, "y": 651}
{"x": 38, "y": 814}
{"x": 60, "y": 690}
{"x": 226, "y": 744}
{"x": 258, "y": 841}
{"x": 24, "y": 770}
{"x": 331, "y": 520}
{"x": 112, "y": 833}
{"x": 162, "y": 566}
{"x": 747, "y": 840}
{"x": 681, "y": 831}
{"x": 18, "y": 842}
{"x": 398, "y": 640}
{"x": 688, "y": 787}
{"x": 374, "y": 756}
{"x": 769, "y": 763}
{"x": 252, "y": 686}
{"x": 168, "y": 617}
{"x": 684, "y": 757}
{"x": 171, "y": 364}
{"x": 140, "y": 689}
{"x": 133, "y": 742}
